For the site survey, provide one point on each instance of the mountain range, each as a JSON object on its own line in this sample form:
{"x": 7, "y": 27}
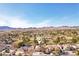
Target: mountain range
{"x": 60, "y": 27}
{"x": 6, "y": 28}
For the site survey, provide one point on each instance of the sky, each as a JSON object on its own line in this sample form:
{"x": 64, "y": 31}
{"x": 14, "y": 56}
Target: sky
{"x": 24, "y": 15}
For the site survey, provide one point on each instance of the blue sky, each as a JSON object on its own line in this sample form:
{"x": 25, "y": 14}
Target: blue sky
{"x": 39, "y": 15}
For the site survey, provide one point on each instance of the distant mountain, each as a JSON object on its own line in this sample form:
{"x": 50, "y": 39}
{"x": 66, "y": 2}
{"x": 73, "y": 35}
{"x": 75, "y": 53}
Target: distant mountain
{"x": 6, "y": 28}
{"x": 68, "y": 27}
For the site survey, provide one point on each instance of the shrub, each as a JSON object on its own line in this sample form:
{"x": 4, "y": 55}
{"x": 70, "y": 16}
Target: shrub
{"x": 74, "y": 40}
{"x": 56, "y": 41}
{"x": 18, "y": 43}
{"x": 57, "y": 51}
{"x": 77, "y": 52}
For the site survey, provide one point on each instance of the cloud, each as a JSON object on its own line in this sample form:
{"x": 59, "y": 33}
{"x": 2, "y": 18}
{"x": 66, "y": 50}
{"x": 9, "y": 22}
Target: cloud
{"x": 44, "y": 23}
{"x": 13, "y": 22}
{"x": 19, "y": 22}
